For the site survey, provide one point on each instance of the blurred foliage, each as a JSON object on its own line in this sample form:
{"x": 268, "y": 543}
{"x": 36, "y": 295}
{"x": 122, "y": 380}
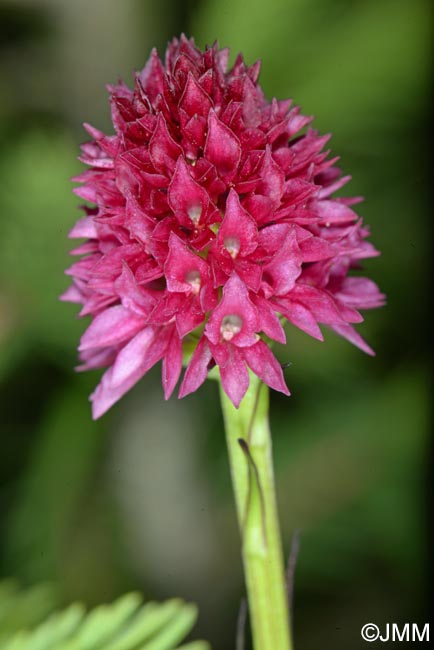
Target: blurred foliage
{"x": 126, "y": 624}
{"x": 142, "y": 499}
{"x": 23, "y": 609}
{"x": 38, "y": 233}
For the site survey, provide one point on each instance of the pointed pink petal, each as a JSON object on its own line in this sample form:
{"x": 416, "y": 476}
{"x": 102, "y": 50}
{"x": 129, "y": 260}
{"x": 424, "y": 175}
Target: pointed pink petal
{"x": 238, "y": 233}
{"x": 197, "y": 369}
{"x": 269, "y": 321}
{"x": 234, "y": 376}
{"x": 72, "y": 294}
{"x": 250, "y": 273}
{"x": 260, "y": 207}
{"x": 220, "y": 352}
{"x": 152, "y": 76}
{"x": 349, "y": 333}
{"x": 140, "y": 354}
{"x": 130, "y": 358}
{"x": 295, "y": 193}
{"x": 113, "y": 326}
{"x": 297, "y": 122}
{"x": 133, "y": 296}
{"x": 320, "y": 303}
{"x": 265, "y": 365}
{"x": 86, "y": 192}
{"x": 92, "y": 359}
{"x": 184, "y": 270}
{"x": 333, "y": 187}
{"x": 93, "y": 155}
{"x": 237, "y": 305}
{"x": 272, "y": 179}
{"x": 172, "y": 364}
{"x": 222, "y": 147}
{"x": 254, "y": 70}
{"x": 271, "y": 238}
{"x": 208, "y": 295}
{"x": 313, "y": 248}
{"x": 189, "y": 316}
{"x": 85, "y": 227}
{"x": 95, "y": 303}
{"x": 302, "y": 318}
{"x": 108, "y": 144}
{"x": 280, "y": 274}
{"x": 194, "y": 133}
{"x": 348, "y": 314}
{"x": 335, "y": 213}
{"x": 166, "y": 308}
{"x": 360, "y": 293}
{"x": 86, "y": 248}
{"x": 187, "y": 198}
{"x": 137, "y": 221}
{"x": 81, "y": 270}
{"x": 194, "y": 100}
{"x": 163, "y": 148}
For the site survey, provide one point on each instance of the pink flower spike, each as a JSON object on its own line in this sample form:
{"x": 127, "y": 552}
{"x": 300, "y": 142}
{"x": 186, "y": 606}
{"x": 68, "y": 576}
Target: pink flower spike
{"x": 213, "y": 217}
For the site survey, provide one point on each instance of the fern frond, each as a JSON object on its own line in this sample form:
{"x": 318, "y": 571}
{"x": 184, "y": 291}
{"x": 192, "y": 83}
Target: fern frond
{"x": 126, "y": 624}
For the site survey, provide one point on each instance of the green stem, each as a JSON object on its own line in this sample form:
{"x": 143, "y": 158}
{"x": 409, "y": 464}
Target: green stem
{"x": 249, "y": 444}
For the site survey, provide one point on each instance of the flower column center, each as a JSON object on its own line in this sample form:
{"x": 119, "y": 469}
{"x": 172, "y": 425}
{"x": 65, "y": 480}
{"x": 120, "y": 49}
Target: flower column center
{"x": 231, "y": 325}
{"x": 194, "y": 280}
{"x": 232, "y": 245}
{"x": 195, "y": 213}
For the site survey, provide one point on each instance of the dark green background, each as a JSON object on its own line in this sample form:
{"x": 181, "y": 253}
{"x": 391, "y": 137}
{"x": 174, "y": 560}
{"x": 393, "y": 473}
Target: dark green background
{"x": 142, "y": 499}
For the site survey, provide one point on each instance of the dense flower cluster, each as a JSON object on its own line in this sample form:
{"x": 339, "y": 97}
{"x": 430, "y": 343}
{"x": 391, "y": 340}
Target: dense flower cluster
{"x": 213, "y": 221}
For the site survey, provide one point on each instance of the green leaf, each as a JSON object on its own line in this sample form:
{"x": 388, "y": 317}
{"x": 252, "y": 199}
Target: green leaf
{"x": 19, "y": 610}
{"x": 105, "y": 620}
{"x": 174, "y": 631}
{"x": 55, "y": 629}
{"x": 153, "y": 619}
{"x": 126, "y": 624}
